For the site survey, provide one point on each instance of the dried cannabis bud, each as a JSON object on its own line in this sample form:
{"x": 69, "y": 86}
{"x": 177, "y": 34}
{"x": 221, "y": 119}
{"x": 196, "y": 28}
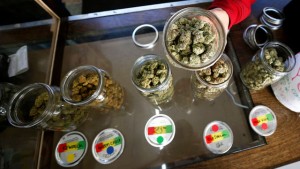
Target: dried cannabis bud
{"x": 256, "y": 76}
{"x": 154, "y": 74}
{"x": 216, "y": 74}
{"x": 65, "y": 118}
{"x": 190, "y": 41}
{"x": 86, "y": 85}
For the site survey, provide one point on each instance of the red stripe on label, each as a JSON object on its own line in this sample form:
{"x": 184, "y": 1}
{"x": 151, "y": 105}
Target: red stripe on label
{"x": 99, "y": 147}
{"x": 62, "y": 147}
{"x": 208, "y": 139}
{"x": 151, "y": 130}
{"x": 254, "y": 121}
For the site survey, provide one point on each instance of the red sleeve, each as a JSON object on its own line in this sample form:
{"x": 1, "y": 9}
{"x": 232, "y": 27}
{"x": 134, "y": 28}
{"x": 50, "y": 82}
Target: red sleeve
{"x": 237, "y": 10}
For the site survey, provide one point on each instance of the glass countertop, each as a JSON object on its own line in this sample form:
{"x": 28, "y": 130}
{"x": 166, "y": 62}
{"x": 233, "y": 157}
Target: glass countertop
{"x": 114, "y": 51}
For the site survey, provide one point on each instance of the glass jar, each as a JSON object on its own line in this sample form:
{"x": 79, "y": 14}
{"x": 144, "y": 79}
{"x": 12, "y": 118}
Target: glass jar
{"x": 268, "y": 65}
{"x": 193, "y": 39}
{"x": 152, "y": 76}
{"x": 7, "y": 90}
{"x": 92, "y": 87}
{"x": 41, "y": 105}
{"x": 209, "y": 83}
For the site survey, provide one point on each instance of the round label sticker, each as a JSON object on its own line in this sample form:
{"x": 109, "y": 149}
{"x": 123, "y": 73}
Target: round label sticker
{"x": 263, "y": 120}
{"x": 218, "y": 137}
{"x": 159, "y": 130}
{"x": 70, "y": 149}
{"x": 108, "y": 146}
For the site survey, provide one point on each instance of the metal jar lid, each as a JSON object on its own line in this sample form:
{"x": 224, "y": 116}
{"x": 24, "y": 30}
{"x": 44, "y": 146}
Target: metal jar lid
{"x": 272, "y": 18}
{"x": 257, "y": 36}
{"x": 142, "y": 44}
{"x": 71, "y": 149}
{"x": 263, "y": 120}
{"x": 159, "y": 130}
{"x": 218, "y": 137}
{"x": 108, "y": 145}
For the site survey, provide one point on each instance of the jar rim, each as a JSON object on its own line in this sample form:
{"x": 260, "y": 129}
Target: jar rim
{"x": 17, "y": 99}
{"x": 69, "y": 78}
{"x": 143, "y": 60}
{"x": 290, "y": 57}
{"x": 223, "y": 84}
{"x": 217, "y": 26}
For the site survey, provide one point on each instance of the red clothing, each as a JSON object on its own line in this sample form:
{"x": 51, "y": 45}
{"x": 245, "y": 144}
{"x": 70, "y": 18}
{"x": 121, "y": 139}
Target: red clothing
{"x": 237, "y": 10}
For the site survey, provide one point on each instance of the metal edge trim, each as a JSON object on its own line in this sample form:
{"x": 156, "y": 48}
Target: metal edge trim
{"x": 55, "y": 27}
{"x": 135, "y": 9}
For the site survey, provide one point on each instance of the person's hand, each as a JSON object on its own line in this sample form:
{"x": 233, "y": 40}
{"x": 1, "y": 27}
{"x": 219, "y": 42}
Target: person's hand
{"x": 223, "y": 17}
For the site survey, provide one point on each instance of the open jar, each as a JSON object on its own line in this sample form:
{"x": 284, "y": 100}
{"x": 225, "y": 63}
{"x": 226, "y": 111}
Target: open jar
{"x": 193, "y": 39}
{"x": 268, "y": 65}
{"x": 41, "y": 105}
{"x": 152, "y": 76}
{"x": 92, "y": 87}
{"x": 209, "y": 83}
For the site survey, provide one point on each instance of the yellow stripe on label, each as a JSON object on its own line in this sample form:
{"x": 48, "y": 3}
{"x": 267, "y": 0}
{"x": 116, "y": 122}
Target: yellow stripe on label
{"x": 262, "y": 119}
{"x": 108, "y": 143}
{"x": 72, "y": 146}
{"x": 70, "y": 158}
{"x": 217, "y": 136}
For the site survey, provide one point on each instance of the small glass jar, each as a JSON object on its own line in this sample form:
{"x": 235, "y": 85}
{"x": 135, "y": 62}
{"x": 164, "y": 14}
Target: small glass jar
{"x": 209, "y": 83}
{"x": 193, "y": 39}
{"x": 92, "y": 87}
{"x": 7, "y": 90}
{"x": 152, "y": 76}
{"x": 268, "y": 65}
{"x": 41, "y": 105}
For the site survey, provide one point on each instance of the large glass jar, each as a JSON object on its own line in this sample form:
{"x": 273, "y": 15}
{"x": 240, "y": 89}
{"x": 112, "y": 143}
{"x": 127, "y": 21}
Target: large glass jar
{"x": 7, "y": 90}
{"x": 268, "y": 65}
{"x": 41, "y": 105}
{"x": 92, "y": 87}
{"x": 193, "y": 39}
{"x": 209, "y": 83}
{"x": 152, "y": 76}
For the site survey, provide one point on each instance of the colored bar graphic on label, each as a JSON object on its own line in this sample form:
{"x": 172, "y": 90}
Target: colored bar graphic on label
{"x": 71, "y": 146}
{"x": 218, "y": 136}
{"x": 262, "y": 119}
{"x": 108, "y": 143}
{"x": 160, "y": 130}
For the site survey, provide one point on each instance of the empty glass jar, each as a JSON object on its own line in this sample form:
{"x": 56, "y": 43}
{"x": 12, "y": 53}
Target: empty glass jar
{"x": 152, "y": 76}
{"x": 92, "y": 87}
{"x": 41, "y": 105}
{"x": 268, "y": 65}
{"x": 209, "y": 83}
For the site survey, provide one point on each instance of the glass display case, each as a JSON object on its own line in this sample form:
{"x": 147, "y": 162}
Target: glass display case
{"x": 110, "y": 47}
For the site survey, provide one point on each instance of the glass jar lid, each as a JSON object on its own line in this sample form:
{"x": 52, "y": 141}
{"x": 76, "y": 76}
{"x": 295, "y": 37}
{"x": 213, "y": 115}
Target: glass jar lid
{"x": 108, "y": 145}
{"x": 218, "y": 137}
{"x": 263, "y": 120}
{"x": 159, "y": 130}
{"x": 71, "y": 149}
